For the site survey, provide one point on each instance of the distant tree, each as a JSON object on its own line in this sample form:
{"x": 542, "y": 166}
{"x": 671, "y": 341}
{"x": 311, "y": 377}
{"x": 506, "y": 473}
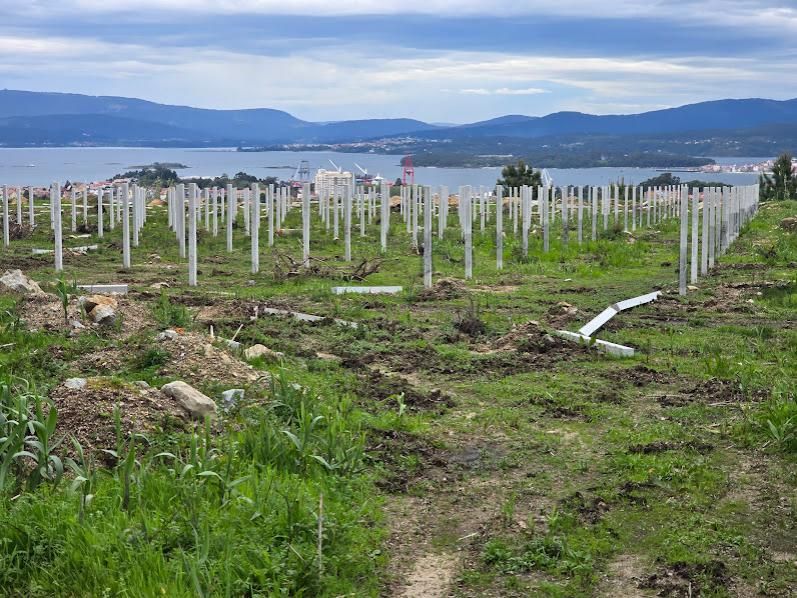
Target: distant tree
{"x": 518, "y": 176}
{"x": 665, "y": 179}
{"x": 152, "y": 176}
{"x": 398, "y": 182}
{"x": 782, "y": 183}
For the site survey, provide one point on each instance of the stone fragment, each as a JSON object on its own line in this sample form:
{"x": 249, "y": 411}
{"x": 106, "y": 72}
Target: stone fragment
{"x": 167, "y": 335}
{"x": 105, "y": 315}
{"x": 258, "y": 350}
{"x": 193, "y": 401}
{"x": 76, "y": 383}
{"x": 92, "y": 301}
{"x": 16, "y": 281}
{"x": 231, "y": 397}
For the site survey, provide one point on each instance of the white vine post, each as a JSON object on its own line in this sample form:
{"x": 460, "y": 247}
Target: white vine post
{"x": 427, "y": 237}
{"x": 125, "y": 204}
{"x": 499, "y": 227}
{"x": 192, "y": 253}
{"x": 55, "y": 206}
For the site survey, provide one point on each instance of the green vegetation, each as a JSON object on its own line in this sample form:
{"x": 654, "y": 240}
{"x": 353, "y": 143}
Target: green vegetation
{"x": 782, "y": 183}
{"x": 513, "y": 176}
{"x": 667, "y": 179}
{"x": 446, "y": 429}
{"x": 156, "y": 175}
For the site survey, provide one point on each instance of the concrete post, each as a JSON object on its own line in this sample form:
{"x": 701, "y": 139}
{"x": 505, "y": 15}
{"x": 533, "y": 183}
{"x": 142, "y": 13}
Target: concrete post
{"x": 347, "y": 197}
{"x": 254, "y": 227}
{"x": 192, "y": 224}
{"x": 427, "y": 238}
{"x": 31, "y": 202}
{"x": 100, "y": 224}
{"x": 499, "y": 227}
{"x": 693, "y": 263}
{"x": 465, "y": 206}
{"x": 232, "y": 206}
{"x": 124, "y": 202}
{"x": 6, "y": 229}
{"x": 684, "y": 204}
{"x": 73, "y": 209}
{"x": 55, "y": 204}
{"x": 306, "y": 224}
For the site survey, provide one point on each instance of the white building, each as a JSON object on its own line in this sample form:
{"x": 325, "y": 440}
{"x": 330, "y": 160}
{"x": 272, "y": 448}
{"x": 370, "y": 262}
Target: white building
{"x": 327, "y": 180}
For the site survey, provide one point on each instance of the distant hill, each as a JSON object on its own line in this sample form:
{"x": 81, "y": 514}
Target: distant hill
{"x": 189, "y": 125}
{"x": 38, "y": 118}
{"x": 716, "y": 115}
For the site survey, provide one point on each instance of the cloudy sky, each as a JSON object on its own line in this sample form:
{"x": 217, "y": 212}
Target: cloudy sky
{"x": 436, "y": 60}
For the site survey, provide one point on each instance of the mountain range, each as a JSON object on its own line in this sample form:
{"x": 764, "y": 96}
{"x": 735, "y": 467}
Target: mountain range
{"x": 57, "y": 119}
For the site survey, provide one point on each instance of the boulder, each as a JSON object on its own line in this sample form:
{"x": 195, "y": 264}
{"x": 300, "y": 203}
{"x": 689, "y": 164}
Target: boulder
{"x": 16, "y": 281}
{"x": 105, "y": 315}
{"x": 76, "y": 383}
{"x": 92, "y": 301}
{"x": 231, "y": 397}
{"x": 256, "y": 351}
{"x": 167, "y": 335}
{"x": 789, "y": 224}
{"x": 193, "y": 401}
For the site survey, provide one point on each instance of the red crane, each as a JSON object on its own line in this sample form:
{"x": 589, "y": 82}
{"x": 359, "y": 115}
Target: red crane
{"x": 408, "y": 170}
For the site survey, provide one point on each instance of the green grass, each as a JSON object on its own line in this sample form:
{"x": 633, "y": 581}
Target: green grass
{"x": 579, "y": 463}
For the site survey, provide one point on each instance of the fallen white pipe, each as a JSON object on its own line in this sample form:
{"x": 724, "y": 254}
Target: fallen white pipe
{"x": 607, "y": 314}
{"x": 605, "y": 346}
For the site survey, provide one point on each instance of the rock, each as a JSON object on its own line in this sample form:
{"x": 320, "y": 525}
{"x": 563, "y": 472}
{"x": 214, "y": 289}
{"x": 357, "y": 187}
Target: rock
{"x": 231, "y": 397}
{"x": 233, "y": 345}
{"x": 16, "y": 281}
{"x": 76, "y": 325}
{"x": 105, "y": 315}
{"x": 789, "y": 224}
{"x": 142, "y": 384}
{"x": 92, "y": 301}
{"x": 167, "y": 335}
{"x": 193, "y": 401}
{"x": 76, "y": 383}
{"x": 256, "y": 351}
{"x": 159, "y": 285}
{"x": 692, "y": 287}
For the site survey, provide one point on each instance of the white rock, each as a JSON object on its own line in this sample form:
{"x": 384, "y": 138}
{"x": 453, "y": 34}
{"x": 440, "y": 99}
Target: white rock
{"x": 193, "y": 401}
{"x": 15, "y": 280}
{"x": 256, "y": 351}
{"x": 233, "y": 345}
{"x": 103, "y": 314}
{"x": 76, "y": 325}
{"x": 231, "y": 397}
{"x": 167, "y": 335}
{"x": 76, "y": 383}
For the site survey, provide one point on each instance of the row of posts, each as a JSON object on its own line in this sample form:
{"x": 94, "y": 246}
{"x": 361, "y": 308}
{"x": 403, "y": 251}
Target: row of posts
{"x": 725, "y": 211}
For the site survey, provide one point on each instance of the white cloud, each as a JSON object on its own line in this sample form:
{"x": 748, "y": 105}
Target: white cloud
{"x": 504, "y": 91}
{"x": 332, "y": 83}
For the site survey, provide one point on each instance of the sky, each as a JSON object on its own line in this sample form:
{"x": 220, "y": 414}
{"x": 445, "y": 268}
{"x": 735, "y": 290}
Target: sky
{"x": 442, "y": 61}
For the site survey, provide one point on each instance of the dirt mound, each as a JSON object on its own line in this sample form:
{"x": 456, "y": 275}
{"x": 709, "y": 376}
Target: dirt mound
{"x": 530, "y": 338}
{"x": 443, "y": 289}
{"x": 45, "y": 312}
{"x": 393, "y": 449}
{"x": 87, "y": 413}
{"x": 17, "y": 231}
{"x": 718, "y": 391}
{"x": 378, "y": 386}
{"x": 191, "y": 357}
{"x": 641, "y": 375}
{"x": 687, "y": 579}
{"x": 561, "y": 315}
